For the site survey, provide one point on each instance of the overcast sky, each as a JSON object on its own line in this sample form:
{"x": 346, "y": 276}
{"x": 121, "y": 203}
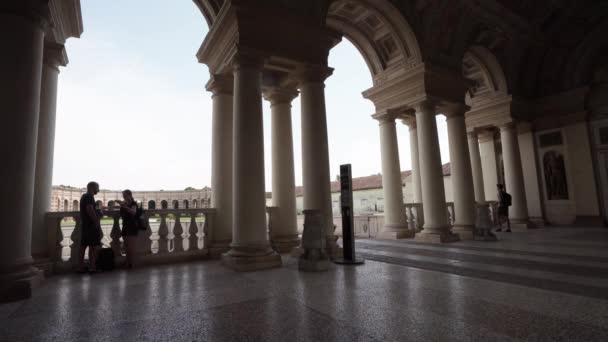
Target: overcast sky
{"x": 133, "y": 112}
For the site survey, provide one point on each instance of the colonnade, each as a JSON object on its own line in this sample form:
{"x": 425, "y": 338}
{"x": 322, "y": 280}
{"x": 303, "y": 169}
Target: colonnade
{"x": 427, "y": 176}
{"x": 29, "y": 94}
{"x": 238, "y": 162}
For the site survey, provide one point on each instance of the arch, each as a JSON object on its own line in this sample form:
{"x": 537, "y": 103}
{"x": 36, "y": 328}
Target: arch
{"x": 58, "y": 205}
{"x": 99, "y": 204}
{"x": 209, "y": 9}
{"x": 186, "y": 204}
{"x": 151, "y": 205}
{"x": 378, "y": 30}
{"x": 195, "y": 204}
{"x": 164, "y": 204}
{"x": 175, "y": 204}
{"x": 481, "y": 66}
{"x": 65, "y": 205}
{"x": 111, "y": 203}
{"x": 75, "y": 205}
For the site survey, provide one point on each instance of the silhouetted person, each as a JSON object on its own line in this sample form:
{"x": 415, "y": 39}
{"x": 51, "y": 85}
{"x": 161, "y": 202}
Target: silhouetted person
{"x": 128, "y": 212}
{"x": 90, "y": 227}
{"x": 504, "y": 201}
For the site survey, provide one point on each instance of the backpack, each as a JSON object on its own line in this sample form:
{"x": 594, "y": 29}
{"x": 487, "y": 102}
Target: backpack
{"x": 507, "y": 199}
{"x": 140, "y": 218}
{"x": 105, "y": 259}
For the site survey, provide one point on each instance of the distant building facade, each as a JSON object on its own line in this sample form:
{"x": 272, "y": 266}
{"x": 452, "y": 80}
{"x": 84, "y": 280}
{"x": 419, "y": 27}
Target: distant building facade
{"x": 67, "y": 198}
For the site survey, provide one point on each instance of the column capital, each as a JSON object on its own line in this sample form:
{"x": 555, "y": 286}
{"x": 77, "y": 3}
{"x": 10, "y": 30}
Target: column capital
{"x": 312, "y": 74}
{"x": 54, "y": 55}
{"x": 473, "y": 135}
{"x": 410, "y": 120}
{"x": 454, "y": 110}
{"x": 279, "y": 95}
{"x": 246, "y": 59}
{"x": 508, "y": 126}
{"x": 386, "y": 116}
{"x": 220, "y": 84}
{"x": 485, "y": 135}
{"x": 426, "y": 106}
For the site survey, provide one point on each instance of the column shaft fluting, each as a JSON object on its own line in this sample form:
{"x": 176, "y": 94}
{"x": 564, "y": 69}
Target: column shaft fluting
{"x": 514, "y": 178}
{"x": 284, "y": 231}
{"x": 22, "y": 40}
{"x": 436, "y": 227}
{"x": 395, "y": 221}
{"x": 250, "y": 248}
{"x": 462, "y": 177}
{"x": 315, "y": 152}
{"x": 221, "y": 163}
{"x": 476, "y": 169}
{"x": 43, "y": 180}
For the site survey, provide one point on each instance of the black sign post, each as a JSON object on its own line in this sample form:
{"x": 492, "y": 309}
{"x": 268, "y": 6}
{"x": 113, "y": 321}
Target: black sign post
{"x": 346, "y": 205}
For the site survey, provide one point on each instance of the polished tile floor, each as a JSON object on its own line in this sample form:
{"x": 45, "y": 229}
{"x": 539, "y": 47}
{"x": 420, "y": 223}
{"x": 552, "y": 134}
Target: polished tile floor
{"x": 541, "y": 285}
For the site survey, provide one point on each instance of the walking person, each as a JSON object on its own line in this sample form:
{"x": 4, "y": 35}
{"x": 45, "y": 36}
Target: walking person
{"x": 504, "y": 202}
{"x": 128, "y": 213}
{"x": 90, "y": 227}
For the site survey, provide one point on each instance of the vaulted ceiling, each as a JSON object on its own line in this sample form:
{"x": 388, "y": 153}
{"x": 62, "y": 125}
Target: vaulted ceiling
{"x": 543, "y": 46}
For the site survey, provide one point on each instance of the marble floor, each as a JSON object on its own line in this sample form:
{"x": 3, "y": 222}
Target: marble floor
{"x": 547, "y": 284}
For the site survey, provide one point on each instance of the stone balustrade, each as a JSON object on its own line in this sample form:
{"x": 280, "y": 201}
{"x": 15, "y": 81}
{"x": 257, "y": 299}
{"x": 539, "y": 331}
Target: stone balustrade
{"x": 175, "y": 235}
{"x": 172, "y": 235}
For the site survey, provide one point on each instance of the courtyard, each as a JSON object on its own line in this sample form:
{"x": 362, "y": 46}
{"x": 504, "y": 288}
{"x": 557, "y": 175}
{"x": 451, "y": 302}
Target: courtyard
{"x": 542, "y": 285}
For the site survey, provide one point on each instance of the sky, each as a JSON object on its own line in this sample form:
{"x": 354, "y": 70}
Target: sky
{"x": 133, "y": 111}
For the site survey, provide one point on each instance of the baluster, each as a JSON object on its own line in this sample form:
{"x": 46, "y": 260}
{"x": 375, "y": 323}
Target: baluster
{"x": 163, "y": 233}
{"x": 149, "y": 241}
{"x": 193, "y": 230}
{"x": 419, "y": 216}
{"x": 55, "y": 246}
{"x": 115, "y": 235}
{"x": 76, "y": 238}
{"x": 208, "y": 230}
{"x": 178, "y": 231}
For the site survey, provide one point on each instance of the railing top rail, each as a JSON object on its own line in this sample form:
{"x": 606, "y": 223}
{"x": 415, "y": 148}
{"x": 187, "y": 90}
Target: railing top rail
{"x": 149, "y": 212}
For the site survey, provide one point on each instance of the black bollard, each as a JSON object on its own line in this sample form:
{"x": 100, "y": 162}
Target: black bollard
{"x": 346, "y": 204}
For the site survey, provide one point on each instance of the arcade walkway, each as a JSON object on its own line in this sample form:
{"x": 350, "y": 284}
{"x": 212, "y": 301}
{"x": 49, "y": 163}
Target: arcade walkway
{"x": 546, "y": 284}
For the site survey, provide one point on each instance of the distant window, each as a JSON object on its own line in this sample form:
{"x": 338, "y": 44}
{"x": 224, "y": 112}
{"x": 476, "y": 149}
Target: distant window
{"x": 550, "y": 139}
{"x": 604, "y": 135}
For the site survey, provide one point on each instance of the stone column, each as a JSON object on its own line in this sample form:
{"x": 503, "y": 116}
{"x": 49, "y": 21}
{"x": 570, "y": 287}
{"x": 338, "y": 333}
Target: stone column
{"x": 480, "y": 196}
{"x": 284, "y": 233}
{"x": 436, "y": 227}
{"x": 53, "y": 58}
{"x": 415, "y": 159}
{"x": 250, "y": 248}
{"x": 487, "y": 152}
{"x": 221, "y": 163}
{"x": 315, "y": 152}
{"x": 514, "y": 179}
{"x": 395, "y": 221}
{"x": 462, "y": 177}
{"x": 22, "y": 37}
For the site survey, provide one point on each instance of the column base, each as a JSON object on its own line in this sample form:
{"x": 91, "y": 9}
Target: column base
{"x": 217, "y": 248}
{"x": 436, "y": 237}
{"x": 284, "y": 244}
{"x": 244, "y": 259}
{"x": 520, "y": 225}
{"x": 395, "y": 234}
{"x": 538, "y": 222}
{"x": 465, "y": 232}
{"x": 19, "y": 284}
